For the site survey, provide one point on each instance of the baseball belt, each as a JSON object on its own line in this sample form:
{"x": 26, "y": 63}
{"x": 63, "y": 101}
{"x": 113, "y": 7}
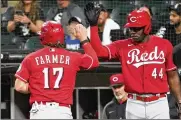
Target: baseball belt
{"x": 53, "y": 104}
{"x": 146, "y": 99}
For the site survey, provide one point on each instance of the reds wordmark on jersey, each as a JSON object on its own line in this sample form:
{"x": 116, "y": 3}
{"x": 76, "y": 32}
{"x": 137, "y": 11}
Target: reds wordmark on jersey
{"x": 51, "y": 73}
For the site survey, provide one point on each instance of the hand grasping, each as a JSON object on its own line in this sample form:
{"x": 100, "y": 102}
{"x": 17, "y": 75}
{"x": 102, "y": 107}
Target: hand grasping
{"x": 81, "y": 32}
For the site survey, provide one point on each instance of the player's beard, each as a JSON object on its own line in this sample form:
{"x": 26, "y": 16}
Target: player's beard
{"x": 177, "y": 24}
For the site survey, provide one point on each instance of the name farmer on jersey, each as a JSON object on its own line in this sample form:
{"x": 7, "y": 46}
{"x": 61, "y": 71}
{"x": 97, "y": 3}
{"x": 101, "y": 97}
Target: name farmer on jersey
{"x": 48, "y": 59}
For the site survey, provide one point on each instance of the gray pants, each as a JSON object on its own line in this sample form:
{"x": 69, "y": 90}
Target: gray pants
{"x": 157, "y": 109}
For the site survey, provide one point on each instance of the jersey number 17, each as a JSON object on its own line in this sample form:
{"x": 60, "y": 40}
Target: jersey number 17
{"x": 55, "y": 71}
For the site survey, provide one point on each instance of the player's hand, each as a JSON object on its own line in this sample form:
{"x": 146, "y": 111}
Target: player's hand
{"x": 92, "y": 13}
{"x": 71, "y": 30}
{"x": 81, "y": 32}
{"x": 17, "y": 18}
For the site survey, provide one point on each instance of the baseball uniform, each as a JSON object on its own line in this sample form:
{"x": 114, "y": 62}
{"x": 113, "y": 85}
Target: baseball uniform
{"x": 51, "y": 74}
{"x": 144, "y": 67}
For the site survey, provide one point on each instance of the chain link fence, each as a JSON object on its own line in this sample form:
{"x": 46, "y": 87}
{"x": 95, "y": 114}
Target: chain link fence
{"x": 118, "y": 9}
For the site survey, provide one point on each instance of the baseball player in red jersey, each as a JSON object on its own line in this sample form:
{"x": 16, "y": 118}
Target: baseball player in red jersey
{"x": 49, "y": 73}
{"x": 147, "y": 65}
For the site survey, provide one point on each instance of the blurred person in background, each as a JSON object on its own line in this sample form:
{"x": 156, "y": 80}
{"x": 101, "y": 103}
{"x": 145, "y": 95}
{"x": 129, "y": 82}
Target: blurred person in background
{"x": 172, "y": 31}
{"x": 105, "y": 25}
{"x": 115, "y": 109}
{"x": 64, "y": 11}
{"x": 24, "y": 20}
{"x": 70, "y": 40}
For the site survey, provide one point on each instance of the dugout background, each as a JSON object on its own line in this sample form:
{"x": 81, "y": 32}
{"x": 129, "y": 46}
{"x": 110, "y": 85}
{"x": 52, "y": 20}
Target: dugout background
{"x": 92, "y": 91}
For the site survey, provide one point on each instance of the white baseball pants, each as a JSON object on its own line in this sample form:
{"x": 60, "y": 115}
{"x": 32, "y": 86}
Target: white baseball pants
{"x": 158, "y": 109}
{"x": 50, "y": 110}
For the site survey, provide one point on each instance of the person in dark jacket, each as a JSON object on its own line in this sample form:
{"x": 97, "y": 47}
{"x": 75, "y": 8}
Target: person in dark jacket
{"x": 172, "y": 30}
{"x": 64, "y": 11}
{"x": 115, "y": 109}
{"x": 175, "y": 21}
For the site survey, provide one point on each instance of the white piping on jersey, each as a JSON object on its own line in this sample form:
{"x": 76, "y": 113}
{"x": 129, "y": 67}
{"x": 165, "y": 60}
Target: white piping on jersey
{"x": 21, "y": 78}
{"x": 109, "y": 52}
{"x": 171, "y": 69}
{"x": 91, "y": 62}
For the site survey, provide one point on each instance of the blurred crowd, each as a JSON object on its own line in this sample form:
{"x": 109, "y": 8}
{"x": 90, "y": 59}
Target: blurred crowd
{"x": 24, "y": 20}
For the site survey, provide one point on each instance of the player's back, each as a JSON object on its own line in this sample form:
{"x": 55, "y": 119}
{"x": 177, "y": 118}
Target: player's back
{"x": 53, "y": 72}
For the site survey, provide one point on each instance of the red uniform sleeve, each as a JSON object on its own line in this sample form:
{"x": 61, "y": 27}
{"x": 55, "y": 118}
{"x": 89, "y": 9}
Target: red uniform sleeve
{"x": 109, "y": 51}
{"x": 23, "y": 71}
{"x": 89, "y": 59}
{"x": 169, "y": 58}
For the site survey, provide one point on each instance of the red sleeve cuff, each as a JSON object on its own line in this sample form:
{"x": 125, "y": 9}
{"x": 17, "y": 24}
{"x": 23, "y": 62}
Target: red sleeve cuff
{"x": 171, "y": 69}
{"x": 20, "y": 78}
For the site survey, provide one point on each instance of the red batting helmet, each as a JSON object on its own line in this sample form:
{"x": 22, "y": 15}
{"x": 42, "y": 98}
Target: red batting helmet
{"x": 139, "y": 18}
{"x": 52, "y": 33}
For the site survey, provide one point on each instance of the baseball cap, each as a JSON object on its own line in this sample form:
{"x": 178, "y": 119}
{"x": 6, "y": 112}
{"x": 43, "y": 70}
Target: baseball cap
{"x": 116, "y": 79}
{"x": 102, "y": 8}
{"x": 176, "y": 8}
{"x": 75, "y": 19}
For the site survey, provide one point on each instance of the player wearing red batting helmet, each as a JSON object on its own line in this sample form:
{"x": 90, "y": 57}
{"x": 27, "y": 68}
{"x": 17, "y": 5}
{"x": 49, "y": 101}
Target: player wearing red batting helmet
{"x": 147, "y": 66}
{"x": 138, "y": 20}
{"x": 51, "y": 33}
{"x": 49, "y": 73}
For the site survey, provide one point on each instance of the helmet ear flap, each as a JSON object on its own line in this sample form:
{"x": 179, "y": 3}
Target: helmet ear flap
{"x": 147, "y": 29}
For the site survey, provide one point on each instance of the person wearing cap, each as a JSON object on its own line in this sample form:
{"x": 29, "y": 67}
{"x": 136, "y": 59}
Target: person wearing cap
{"x": 115, "y": 109}
{"x": 172, "y": 30}
{"x": 64, "y": 11}
{"x": 175, "y": 21}
{"x": 106, "y": 24}
{"x": 71, "y": 42}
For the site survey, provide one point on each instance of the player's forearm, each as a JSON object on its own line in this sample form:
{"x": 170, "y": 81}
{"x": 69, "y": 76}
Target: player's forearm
{"x": 96, "y": 43}
{"x": 22, "y": 87}
{"x": 90, "y": 51}
{"x": 175, "y": 86}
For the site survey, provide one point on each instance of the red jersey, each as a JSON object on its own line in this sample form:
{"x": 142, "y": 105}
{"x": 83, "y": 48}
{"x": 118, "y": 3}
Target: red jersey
{"x": 144, "y": 65}
{"x": 51, "y": 72}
